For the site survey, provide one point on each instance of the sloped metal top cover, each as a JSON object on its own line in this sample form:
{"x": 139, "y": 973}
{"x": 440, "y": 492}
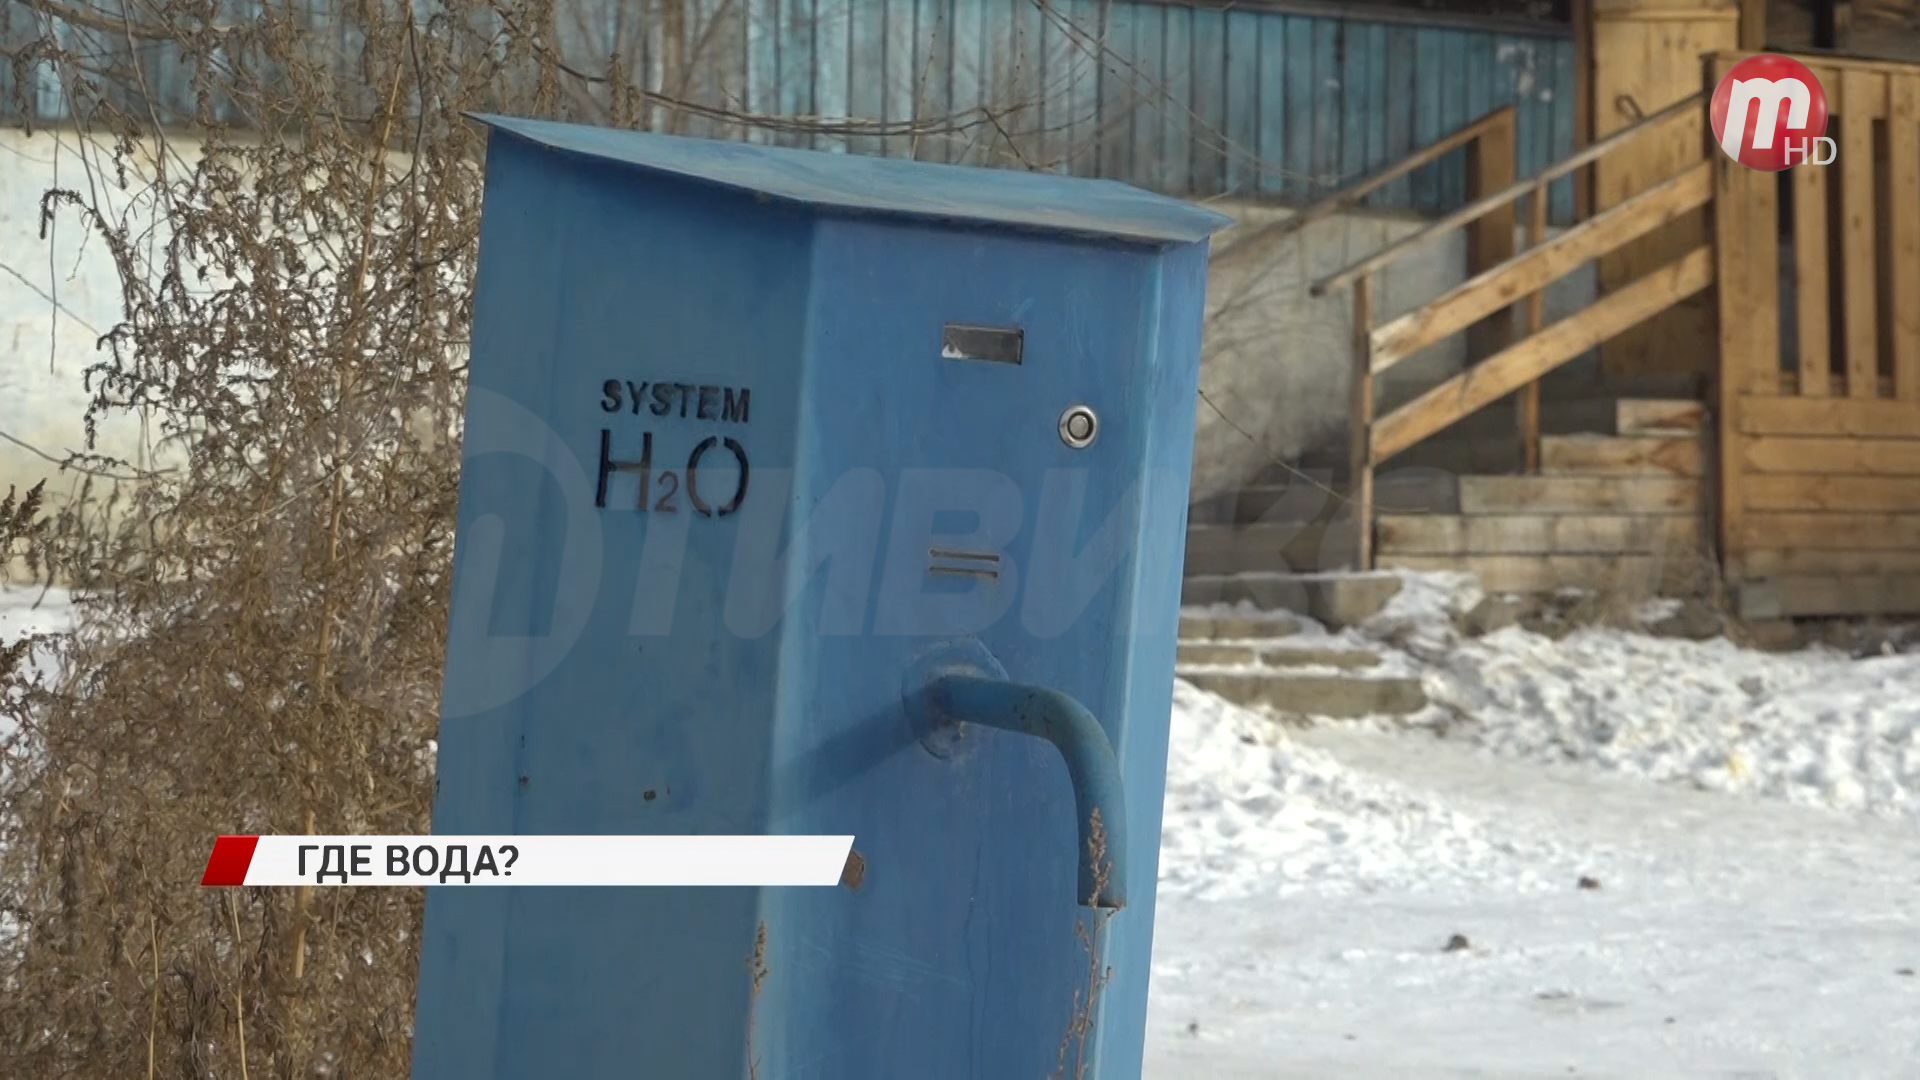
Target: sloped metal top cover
{"x": 860, "y": 184}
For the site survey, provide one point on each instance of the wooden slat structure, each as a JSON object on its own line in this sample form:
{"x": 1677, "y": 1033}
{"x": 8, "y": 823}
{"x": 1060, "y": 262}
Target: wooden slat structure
{"x": 1283, "y": 100}
{"x": 1813, "y": 468}
{"x": 1819, "y": 426}
{"x": 1514, "y": 286}
{"x": 1646, "y": 57}
{"x": 1881, "y": 29}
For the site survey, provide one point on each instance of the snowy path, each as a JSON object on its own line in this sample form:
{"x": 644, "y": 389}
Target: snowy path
{"x": 1731, "y": 937}
{"x": 1311, "y": 879}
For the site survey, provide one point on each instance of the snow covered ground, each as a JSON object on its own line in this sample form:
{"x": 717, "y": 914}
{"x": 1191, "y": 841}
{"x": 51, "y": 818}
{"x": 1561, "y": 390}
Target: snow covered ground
{"x": 1726, "y": 938}
{"x": 1606, "y": 856}
{"x": 24, "y": 612}
{"x": 1652, "y": 858}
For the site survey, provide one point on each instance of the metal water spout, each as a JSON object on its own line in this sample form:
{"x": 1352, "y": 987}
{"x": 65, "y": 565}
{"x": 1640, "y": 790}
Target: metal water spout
{"x": 978, "y": 692}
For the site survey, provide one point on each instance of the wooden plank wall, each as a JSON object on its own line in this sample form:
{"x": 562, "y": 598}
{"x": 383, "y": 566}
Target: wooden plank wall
{"x": 1260, "y": 98}
{"x": 1820, "y": 387}
{"x": 1646, "y": 56}
{"x": 1880, "y": 29}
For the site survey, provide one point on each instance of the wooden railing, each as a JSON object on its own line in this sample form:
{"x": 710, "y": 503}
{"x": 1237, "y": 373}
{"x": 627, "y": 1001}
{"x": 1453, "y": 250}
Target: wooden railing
{"x": 1518, "y": 366}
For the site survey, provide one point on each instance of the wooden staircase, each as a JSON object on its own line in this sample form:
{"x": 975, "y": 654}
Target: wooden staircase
{"x": 1613, "y": 498}
{"x": 1800, "y": 498}
{"x": 1620, "y": 511}
{"x": 1257, "y": 661}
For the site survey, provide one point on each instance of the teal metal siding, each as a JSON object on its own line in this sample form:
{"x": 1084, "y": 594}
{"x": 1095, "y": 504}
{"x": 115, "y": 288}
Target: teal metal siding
{"x": 1277, "y": 100}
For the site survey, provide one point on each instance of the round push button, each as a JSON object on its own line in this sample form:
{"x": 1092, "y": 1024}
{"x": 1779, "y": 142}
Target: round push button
{"x": 1078, "y": 426}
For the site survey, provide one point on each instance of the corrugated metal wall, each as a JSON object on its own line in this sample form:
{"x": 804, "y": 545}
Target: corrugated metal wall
{"x": 1273, "y": 100}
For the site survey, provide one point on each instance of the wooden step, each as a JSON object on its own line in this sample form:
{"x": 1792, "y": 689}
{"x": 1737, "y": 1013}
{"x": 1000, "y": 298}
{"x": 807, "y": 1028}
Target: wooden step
{"x": 1629, "y": 574}
{"x": 1812, "y": 563}
{"x": 1215, "y": 654}
{"x": 1621, "y": 455}
{"x": 1851, "y": 596}
{"x": 1579, "y": 495}
{"x": 1236, "y": 628}
{"x": 1232, "y": 549}
{"x": 1307, "y": 656}
{"x": 1650, "y": 417}
{"x": 1344, "y": 697}
{"x": 1246, "y": 654}
{"x": 1337, "y": 600}
{"x": 1537, "y": 534}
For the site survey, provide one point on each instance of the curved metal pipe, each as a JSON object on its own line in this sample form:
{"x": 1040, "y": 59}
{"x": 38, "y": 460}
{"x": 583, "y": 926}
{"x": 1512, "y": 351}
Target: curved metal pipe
{"x": 1097, "y": 792}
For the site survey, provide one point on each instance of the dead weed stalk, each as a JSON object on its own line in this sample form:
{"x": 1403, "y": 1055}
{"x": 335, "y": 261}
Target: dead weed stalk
{"x": 261, "y": 609}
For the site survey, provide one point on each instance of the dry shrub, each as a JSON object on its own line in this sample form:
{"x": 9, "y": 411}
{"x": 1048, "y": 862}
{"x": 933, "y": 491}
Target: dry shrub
{"x": 258, "y": 644}
{"x": 260, "y": 615}
{"x": 23, "y": 530}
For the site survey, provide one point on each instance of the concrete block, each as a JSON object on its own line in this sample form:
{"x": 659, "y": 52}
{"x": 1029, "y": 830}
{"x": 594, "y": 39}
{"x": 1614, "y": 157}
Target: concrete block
{"x": 1204, "y": 590}
{"x": 1274, "y": 591}
{"x": 1494, "y": 613}
{"x": 1291, "y": 548}
{"x": 1343, "y": 600}
{"x": 1694, "y": 620}
{"x": 1774, "y": 635}
{"x": 1758, "y": 600}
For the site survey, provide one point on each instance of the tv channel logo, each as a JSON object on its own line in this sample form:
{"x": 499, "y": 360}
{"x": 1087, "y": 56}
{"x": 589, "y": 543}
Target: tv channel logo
{"x": 1769, "y": 113}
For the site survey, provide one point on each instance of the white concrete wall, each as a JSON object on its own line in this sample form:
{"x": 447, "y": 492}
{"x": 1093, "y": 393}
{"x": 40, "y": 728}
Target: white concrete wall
{"x": 1275, "y": 371}
{"x": 58, "y": 295}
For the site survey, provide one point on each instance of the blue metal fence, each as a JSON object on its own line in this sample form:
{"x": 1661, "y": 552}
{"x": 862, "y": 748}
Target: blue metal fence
{"x": 1279, "y": 100}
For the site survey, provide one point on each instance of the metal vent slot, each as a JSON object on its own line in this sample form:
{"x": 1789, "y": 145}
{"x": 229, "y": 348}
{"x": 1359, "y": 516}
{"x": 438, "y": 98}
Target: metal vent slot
{"x": 980, "y": 564}
{"x": 998, "y": 345}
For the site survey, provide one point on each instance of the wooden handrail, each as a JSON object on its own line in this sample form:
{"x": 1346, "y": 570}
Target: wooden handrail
{"x": 1498, "y": 199}
{"x": 1812, "y": 57}
{"x": 1345, "y": 197}
{"x": 1518, "y": 366}
{"x": 1541, "y": 265}
{"x": 1360, "y": 436}
{"x": 1526, "y": 361}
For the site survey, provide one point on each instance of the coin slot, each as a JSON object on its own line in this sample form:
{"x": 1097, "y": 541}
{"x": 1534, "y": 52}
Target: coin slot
{"x": 994, "y": 344}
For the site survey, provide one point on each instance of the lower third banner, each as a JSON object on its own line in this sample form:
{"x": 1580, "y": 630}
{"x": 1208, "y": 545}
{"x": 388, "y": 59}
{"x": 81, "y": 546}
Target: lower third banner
{"x": 527, "y": 860}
